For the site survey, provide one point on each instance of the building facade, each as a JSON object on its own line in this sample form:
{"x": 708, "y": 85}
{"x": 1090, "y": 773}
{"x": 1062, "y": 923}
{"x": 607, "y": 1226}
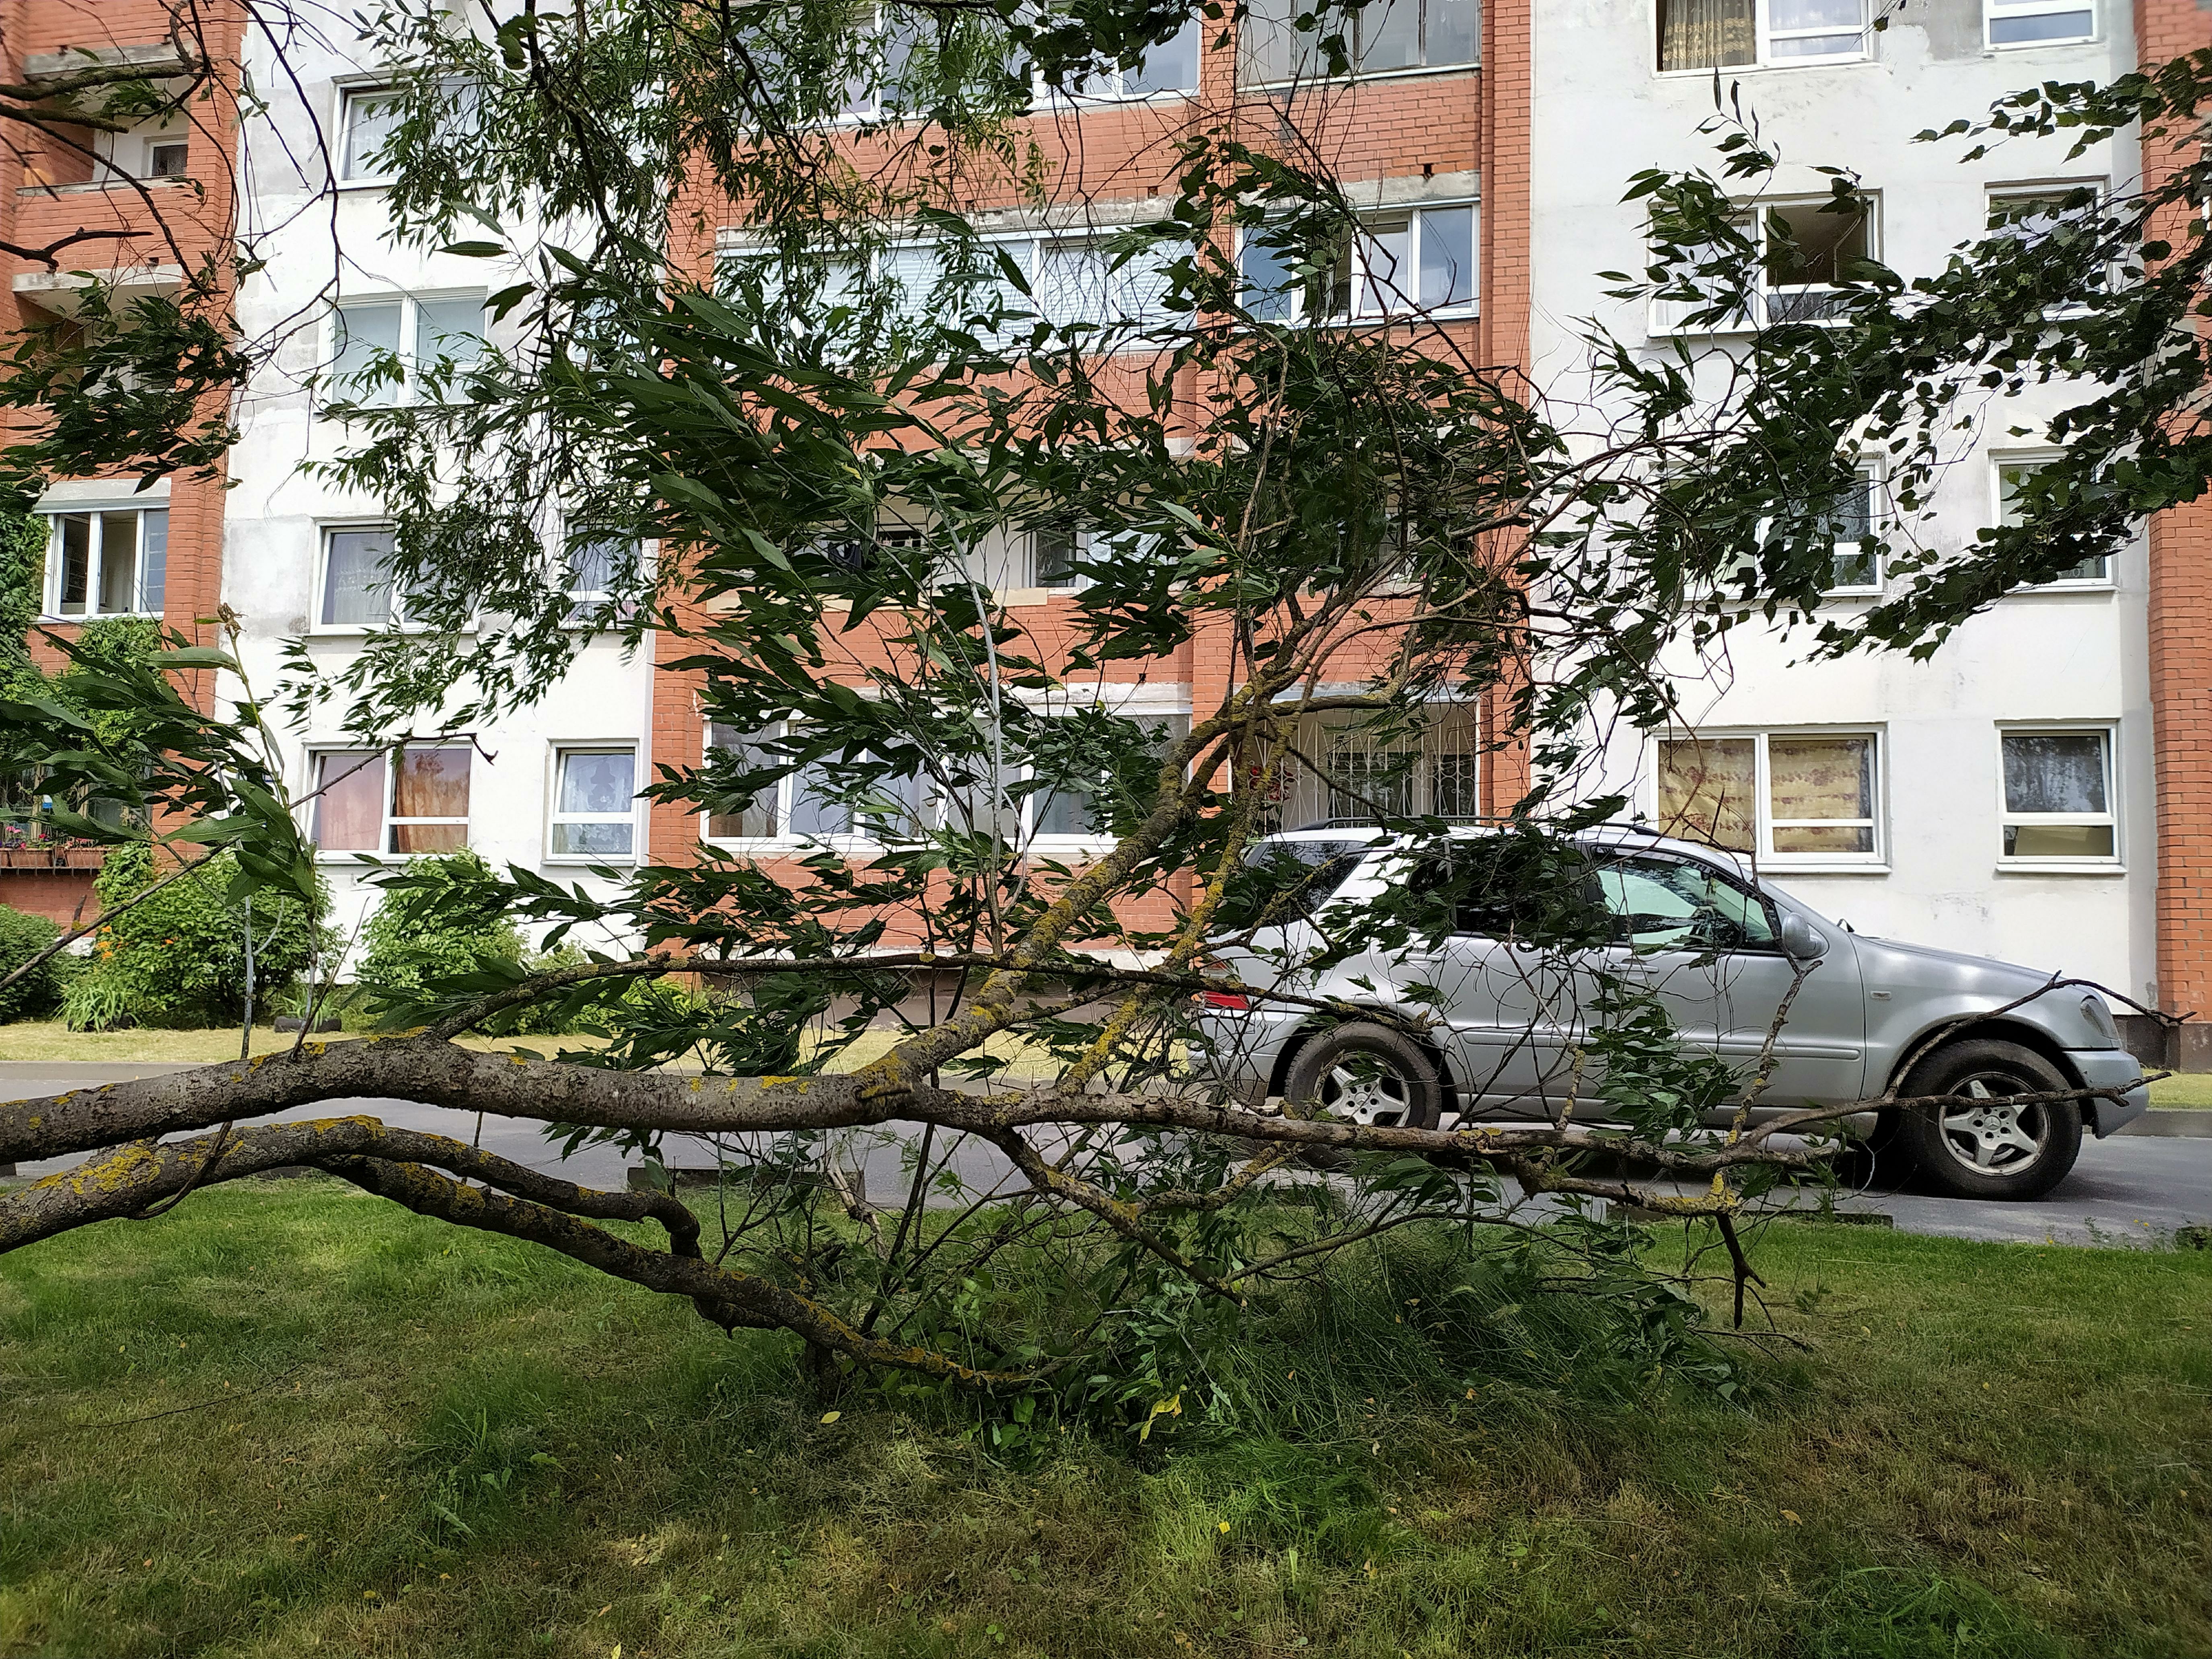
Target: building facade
{"x": 2038, "y": 790}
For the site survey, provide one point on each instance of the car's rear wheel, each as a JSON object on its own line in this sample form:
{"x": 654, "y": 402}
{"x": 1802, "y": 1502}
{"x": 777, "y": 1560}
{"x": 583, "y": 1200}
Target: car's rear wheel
{"x": 1976, "y": 1143}
{"x": 1369, "y": 1075}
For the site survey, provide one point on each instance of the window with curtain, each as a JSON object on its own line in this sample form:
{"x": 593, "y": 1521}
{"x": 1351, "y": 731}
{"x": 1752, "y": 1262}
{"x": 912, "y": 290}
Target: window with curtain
{"x": 757, "y": 818}
{"x": 350, "y": 799}
{"x": 357, "y": 577}
{"x": 430, "y": 801}
{"x": 2058, "y": 795}
{"x": 1714, "y": 34}
{"x": 594, "y": 804}
{"x": 1809, "y": 797}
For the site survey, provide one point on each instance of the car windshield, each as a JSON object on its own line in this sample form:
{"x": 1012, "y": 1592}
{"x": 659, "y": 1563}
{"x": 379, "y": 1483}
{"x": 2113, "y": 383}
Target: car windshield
{"x": 1661, "y": 904}
{"x": 1300, "y": 875}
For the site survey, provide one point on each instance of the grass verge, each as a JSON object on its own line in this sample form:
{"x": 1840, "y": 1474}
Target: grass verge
{"x": 288, "y": 1417}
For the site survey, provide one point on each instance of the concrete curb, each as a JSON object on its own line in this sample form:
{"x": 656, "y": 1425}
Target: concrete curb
{"x": 2183, "y": 1123}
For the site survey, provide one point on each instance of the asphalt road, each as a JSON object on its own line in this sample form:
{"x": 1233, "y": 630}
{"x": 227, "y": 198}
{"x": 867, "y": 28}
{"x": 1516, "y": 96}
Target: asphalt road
{"x": 2131, "y": 1188}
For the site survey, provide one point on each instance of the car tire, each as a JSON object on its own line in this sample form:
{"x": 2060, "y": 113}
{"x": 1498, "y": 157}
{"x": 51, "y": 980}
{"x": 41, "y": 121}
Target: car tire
{"x": 1999, "y": 1152}
{"x": 1367, "y": 1073}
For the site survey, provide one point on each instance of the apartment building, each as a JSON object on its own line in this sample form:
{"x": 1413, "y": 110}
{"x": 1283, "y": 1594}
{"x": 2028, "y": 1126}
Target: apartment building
{"x": 2026, "y": 793}
{"x": 135, "y": 208}
{"x": 1429, "y": 147}
{"x": 2039, "y": 790}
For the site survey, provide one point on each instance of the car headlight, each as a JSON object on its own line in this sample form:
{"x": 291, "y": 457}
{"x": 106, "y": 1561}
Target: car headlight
{"x": 2101, "y": 1019}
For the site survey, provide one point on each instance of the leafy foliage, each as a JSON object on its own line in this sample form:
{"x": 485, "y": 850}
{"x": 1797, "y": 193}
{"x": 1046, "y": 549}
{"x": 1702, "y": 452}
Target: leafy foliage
{"x": 23, "y": 936}
{"x": 179, "y": 957}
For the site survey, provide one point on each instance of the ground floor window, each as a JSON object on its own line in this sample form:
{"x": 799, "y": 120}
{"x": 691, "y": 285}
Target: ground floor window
{"x": 2057, "y": 795}
{"x": 1804, "y": 797}
{"x": 367, "y": 801}
{"x": 594, "y": 812}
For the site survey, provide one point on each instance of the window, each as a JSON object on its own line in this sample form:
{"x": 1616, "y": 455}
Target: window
{"x": 1807, "y": 250}
{"x": 1078, "y": 814}
{"x": 1072, "y": 279}
{"x": 168, "y": 159}
{"x": 1170, "y": 69}
{"x": 366, "y": 803}
{"x": 112, "y": 564}
{"x": 802, "y": 806}
{"x": 1804, "y": 798}
{"x": 2057, "y": 796}
{"x": 1853, "y": 525}
{"x": 757, "y": 818}
{"x": 2011, "y": 473}
{"x": 1367, "y": 784}
{"x": 357, "y": 577}
{"x": 1711, "y": 34}
{"x": 1055, "y": 552}
{"x": 2038, "y": 22}
{"x": 595, "y": 567}
{"x": 370, "y": 117}
{"x": 594, "y": 804}
{"x": 379, "y": 348}
{"x": 1421, "y": 260}
{"x": 1080, "y": 281}
{"x": 1662, "y": 904}
{"x": 1386, "y": 37}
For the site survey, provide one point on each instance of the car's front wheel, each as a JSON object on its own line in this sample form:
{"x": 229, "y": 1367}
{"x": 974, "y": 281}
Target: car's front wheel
{"x": 1366, "y": 1073}
{"x": 1975, "y": 1143}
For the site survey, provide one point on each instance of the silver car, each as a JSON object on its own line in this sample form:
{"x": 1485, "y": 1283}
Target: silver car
{"x": 1497, "y": 1027}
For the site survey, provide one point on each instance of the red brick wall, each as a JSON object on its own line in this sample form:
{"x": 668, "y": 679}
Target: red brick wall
{"x": 179, "y": 225}
{"x": 2180, "y": 659}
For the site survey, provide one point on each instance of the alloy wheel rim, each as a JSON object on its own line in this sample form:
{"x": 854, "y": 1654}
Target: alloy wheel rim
{"x": 1367, "y": 1090}
{"x": 1985, "y": 1135}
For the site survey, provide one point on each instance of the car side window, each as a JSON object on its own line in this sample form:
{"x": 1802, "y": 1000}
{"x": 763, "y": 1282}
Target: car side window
{"x": 1659, "y": 904}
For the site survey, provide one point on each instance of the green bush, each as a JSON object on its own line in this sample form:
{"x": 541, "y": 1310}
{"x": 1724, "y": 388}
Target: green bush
{"x": 179, "y": 958}
{"x": 448, "y": 921}
{"x": 37, "y": 994}
{"x": 440, "y": 925}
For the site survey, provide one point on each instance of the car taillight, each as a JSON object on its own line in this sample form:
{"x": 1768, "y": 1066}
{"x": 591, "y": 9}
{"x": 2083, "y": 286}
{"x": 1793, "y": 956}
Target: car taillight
{"x": 1224, "y": 1000}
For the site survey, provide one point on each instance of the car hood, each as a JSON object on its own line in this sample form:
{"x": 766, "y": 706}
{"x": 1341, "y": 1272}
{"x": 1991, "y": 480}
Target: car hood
{"x": 1924, "y": 965}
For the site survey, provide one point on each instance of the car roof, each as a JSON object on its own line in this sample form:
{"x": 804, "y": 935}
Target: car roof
{"x": 1637, "y": 836}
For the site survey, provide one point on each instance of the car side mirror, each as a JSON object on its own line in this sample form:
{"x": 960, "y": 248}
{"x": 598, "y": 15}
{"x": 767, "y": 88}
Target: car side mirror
{"x": 1800, "y": 940}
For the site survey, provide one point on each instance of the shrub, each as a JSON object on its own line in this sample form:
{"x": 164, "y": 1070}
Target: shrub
{"x": 440, "y": 926}
{"x": 445, "y": 922}
{"x": 179, "y": 958}
{"x": 37, "y": 994}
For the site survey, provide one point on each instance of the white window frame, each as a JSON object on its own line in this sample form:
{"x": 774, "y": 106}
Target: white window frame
{"x": 1874, "y": 861}
{"x": 557, "y": 760}
{"x": 1661, "y": 315}
{"x": 1764, "y": 36}
{"x": 411, "y": 344}
{"x": 1877, "y": 523}
{"x": 96, "y": 560}
{"x": 387, "y": 823}
{"x": 350, "y": 95}
{"x": 1076, "y": 582}
{"x": 1064, "y": 848}
{"x": 2002, "y": 459}
{"x": 1994, "y": 194}
{"x": 1464, "y": 311}
{"x": 786, "y": 840}
{"x": 1459, "y": 66}
{"x": 2109, "y": 730}
{"x": 1115, "y": 88}
{"x": 1993, "y": 10}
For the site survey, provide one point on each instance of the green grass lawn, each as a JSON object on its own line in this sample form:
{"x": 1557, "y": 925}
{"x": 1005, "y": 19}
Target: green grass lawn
{"x": 2189, "y": 1089}
{"x": 289, "y": 1418}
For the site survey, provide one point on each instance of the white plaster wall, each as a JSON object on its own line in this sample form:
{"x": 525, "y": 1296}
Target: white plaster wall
{"x": 319, "y": 242}
{"x": 1601, "y": 112}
